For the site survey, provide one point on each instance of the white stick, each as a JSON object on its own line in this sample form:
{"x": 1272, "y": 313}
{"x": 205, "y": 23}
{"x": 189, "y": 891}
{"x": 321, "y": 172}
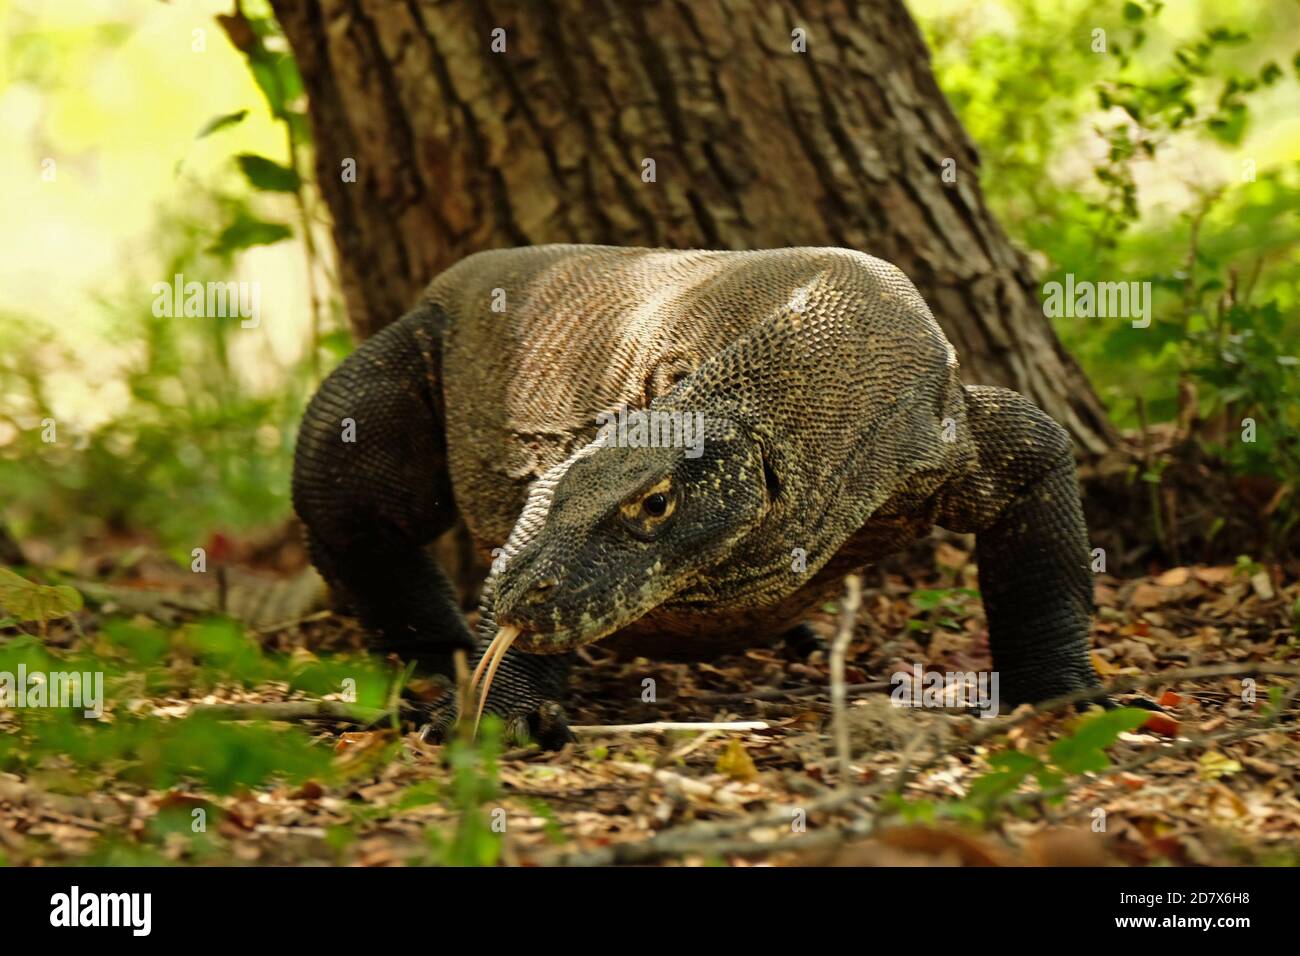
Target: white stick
{"x": 668, "y": 725}
{"x": 839, "y": 648}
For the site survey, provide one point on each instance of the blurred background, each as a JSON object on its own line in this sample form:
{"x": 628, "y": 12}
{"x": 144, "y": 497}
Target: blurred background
{"x": 140, "y": 143}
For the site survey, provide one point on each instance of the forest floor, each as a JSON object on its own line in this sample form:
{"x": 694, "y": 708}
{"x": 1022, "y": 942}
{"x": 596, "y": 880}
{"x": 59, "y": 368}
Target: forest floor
{"x": 1213, "y": 780}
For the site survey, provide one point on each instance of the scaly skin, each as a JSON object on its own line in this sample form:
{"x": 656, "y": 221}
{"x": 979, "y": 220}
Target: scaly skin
{"x": 834, "y": 425}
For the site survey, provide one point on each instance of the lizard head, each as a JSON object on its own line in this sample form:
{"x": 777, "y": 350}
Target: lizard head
{"x": 627, "y": 529}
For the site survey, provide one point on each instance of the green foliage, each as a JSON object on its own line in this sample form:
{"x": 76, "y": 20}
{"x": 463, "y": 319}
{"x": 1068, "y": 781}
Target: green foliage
{"x": 276, "y": 75}
{"x": 28, "y": 601}
{"x": 1069, "y": 176}
{"x": 188, "y": 446}
{"x": 266, "y": 174}
{"x": 225, "y": 121}
{"x": 132, "y": 746}
{"x": 1083, "y": 751}
{"x": 940, "y": 608}
{"x": 160, "y": 752}
{"x": 196, "y": 435}
{"x": 244, "y": 231}
{"x": 473, "y": 765}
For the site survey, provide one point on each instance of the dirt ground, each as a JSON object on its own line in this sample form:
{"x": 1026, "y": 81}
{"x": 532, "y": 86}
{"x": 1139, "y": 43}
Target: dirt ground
{"x": 1213, "y": 780}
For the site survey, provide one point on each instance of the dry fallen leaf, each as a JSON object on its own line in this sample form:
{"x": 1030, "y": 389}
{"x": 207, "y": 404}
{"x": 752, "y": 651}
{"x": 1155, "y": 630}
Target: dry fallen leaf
{"x": 1104, "y": 667}
{"x": 1161, "y": 724}
{"x": 1068, "y": 847}
{"x": 1147, "y": 595}
{"x": 946, "y": 556}
{"x": 1214, "y": 765}
{"x": 1262, "y": 585}
{"x": 962, "y": 848}
{"x": 736, "y": 763}
{"x": 1219, "y": 575}
{"x": 1174, "y": 577}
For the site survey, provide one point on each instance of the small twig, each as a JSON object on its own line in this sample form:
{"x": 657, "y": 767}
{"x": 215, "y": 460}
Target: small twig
{"x": 293, "y": 710}
{"x": 285, "y": 625}
{"x": 701, "y": 837}
{"x": 1149, "y": 463}
{"x": 803, "y": 690}
{"x": 84, "y": 811}
{"x": 464, "y": 695}
{"x": 839, "y": 648}
{"x": 223, "y": 589}
{"x": 905, "y": 762}
{"x": 659, "y": 725}
{"x": 395, "y": 694}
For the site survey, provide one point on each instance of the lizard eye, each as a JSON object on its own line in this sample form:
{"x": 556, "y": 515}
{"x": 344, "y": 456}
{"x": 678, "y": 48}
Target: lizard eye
{"x": 650, "y": 511}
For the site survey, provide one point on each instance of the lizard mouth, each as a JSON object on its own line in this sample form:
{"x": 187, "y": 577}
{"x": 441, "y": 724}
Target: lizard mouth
{"x": 556, "y": 642}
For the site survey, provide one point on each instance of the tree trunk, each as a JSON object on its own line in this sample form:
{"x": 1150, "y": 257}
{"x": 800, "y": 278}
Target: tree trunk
{"x": 755, "y": 145}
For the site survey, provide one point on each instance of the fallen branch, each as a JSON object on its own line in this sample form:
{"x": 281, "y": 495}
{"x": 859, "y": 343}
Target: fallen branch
{"x": 663, "y": 725}
{"x": 156, "y": 604}
{"x": 293, "y": 710}
{"x": 295, "y": 622}
{"x": 91, "y": 813}
{"x": 1132, "y": 682}
{"x": 803, "y": 690}
{"x": 1262, "y": 724}
{"x": 691, "y": 838}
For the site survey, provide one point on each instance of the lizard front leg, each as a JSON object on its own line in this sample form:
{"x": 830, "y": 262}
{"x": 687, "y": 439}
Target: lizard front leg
{"x": 370, "y": 483}
{"x": 1022, "y": 503}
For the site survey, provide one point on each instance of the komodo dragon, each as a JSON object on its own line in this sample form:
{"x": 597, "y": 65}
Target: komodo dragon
{"x": 834, "y": 430}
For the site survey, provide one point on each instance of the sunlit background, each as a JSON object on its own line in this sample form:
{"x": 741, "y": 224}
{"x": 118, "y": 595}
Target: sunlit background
{"x": 118, "y": 170}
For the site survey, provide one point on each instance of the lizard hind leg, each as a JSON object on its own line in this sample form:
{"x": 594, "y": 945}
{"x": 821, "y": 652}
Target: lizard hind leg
{"x": 370, "y": 483}
{"x": 802, "y": 641}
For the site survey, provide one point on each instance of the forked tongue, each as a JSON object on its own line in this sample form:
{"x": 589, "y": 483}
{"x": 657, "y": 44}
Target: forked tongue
{"x": 487, "y": 668}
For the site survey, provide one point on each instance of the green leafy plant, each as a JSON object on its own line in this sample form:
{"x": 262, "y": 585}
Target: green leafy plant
{"x": 1082, "y": 751}
{"x": 940, "y": 608}
{"x": 473, "y": 764}
{"x": 28, "y": 601}
{"x": 1134, "y": 91}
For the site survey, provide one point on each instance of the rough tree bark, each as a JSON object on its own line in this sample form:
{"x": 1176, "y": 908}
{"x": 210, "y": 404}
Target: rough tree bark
{"x": 459, "y": 148}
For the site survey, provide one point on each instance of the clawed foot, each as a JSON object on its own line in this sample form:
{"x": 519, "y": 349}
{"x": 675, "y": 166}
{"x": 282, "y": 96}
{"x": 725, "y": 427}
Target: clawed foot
{"x": 802, "y": 641}
{"x": 1109, "y": 704}
{"x": 1038, "y": 694}
{"x": 542, "y": 722}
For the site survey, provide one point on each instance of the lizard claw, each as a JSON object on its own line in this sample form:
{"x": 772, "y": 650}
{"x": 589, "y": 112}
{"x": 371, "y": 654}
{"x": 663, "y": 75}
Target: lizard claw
{"x": 1109, "y": 703}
